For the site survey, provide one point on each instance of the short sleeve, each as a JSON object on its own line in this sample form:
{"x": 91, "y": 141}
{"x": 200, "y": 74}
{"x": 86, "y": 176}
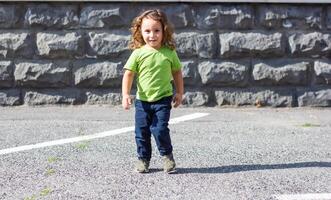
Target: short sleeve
{"x": 176, "y": 65}
{"x": 132, "y": 64}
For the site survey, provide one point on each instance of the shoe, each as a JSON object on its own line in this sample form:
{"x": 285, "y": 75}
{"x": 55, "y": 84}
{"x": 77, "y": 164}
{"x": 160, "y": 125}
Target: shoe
{"x": 142, "y": 166}
{"x": 169, "y": 164}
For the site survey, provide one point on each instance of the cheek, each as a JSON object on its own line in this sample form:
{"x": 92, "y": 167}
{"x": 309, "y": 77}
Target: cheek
{"x": 144, "y": 35}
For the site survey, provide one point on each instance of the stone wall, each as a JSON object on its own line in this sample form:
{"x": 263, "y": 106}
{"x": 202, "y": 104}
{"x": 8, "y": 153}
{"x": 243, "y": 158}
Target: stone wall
{"x": 233, "y": 54}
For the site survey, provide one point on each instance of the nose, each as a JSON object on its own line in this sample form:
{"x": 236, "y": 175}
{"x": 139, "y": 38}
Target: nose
{"x": 152, "y": 33}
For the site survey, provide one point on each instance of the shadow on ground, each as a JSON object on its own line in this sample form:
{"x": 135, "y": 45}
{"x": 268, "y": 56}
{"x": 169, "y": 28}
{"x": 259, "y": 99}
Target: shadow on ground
{"x": 242, "y": 168}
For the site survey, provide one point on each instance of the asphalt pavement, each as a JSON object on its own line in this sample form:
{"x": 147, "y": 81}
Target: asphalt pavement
{"x": 229, "y": 154}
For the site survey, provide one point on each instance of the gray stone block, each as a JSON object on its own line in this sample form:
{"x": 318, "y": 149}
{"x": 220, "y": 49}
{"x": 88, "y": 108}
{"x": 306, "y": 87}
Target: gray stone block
{"x": 52, "y": 16}
{"x": 107, "y": 15}
{"x": 189, "y": 71}
{"x": 42, "y": 74}
{"x": 9, "y": 15}
{"x": 316, "y": 97}
{"x": 6, "y": 74}
{"x": 110, "y": 97}
{"x": 16, "y": 44}
{"x": 255, "y": 96}
{"x": 51, "y": 96}
{"x": 328, "y": 19}
{"x": 206, "y": 44}
{"x": 236, "y": 44}
{"x": 94, "y": 74}
{"x": 190, "y": 44}
{"x": 60, "y": 45}
{"x": 196, "y": 99}
{"x": 290, "y": 17}
{"x": 314, "y": 44}
{"x": 179, "y": 15}
{"x": 186, "y": 44}
{"x": 10, "y": 97}
{"x": 280, "y": 72}
{"x": 108, "y": 44}
{"x": 225, "y": 73}
{"x": 322, "y": 70}
{"x": 224, "y": 16}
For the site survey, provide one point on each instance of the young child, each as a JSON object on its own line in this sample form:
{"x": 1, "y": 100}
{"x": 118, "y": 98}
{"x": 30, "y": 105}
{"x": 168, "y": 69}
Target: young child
{"x": 155, "y": 63}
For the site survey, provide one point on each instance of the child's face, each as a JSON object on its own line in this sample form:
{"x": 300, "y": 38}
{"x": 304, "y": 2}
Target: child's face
{"x": 152, "y": 33}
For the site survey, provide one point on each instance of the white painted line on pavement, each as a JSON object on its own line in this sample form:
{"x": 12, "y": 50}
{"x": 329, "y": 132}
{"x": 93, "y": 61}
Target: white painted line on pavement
{"x": 94, "y": 136}
{"x": 187, "y": 118}
{"x": 309, "y": 196}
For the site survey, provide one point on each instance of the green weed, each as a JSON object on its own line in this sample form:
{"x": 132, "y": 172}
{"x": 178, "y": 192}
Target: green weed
{"x": 33, "y": 197}
{"x": 307, "y": 125}
{"x": 45, "y": 192}
{"x": 50, "y": 172}
{"x": 52, "y": 159}
{"x": 82, "y": 145}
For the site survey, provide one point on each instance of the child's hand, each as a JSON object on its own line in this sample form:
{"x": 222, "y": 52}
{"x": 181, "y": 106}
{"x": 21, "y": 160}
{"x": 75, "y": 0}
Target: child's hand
{"x": 126, "y": 102}
{"x": 177, "y": 100}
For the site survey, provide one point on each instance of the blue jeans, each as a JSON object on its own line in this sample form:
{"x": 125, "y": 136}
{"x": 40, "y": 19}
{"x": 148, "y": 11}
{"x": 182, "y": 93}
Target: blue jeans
{"x": 152, "y": 118}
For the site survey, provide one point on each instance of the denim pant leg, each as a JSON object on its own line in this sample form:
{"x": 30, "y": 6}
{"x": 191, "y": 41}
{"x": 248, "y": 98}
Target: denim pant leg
{"x": 159, "y": 127}
{"x": 143, "y": 122}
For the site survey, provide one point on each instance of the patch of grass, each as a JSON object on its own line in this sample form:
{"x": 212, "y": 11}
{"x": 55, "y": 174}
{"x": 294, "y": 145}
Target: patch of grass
{"x": 52, "y": 159}
{"x": 50, "y": 172}
{"x": 82, "y": 145}
{"x": 45, "y": 192}
{"x": 33, "y": 197}
{"x": 306, "y": 125}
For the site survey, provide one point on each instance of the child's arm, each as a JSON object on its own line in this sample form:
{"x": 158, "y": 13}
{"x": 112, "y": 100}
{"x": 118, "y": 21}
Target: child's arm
{"x": 179, "y": 85}
{"x": 126, "y": 88}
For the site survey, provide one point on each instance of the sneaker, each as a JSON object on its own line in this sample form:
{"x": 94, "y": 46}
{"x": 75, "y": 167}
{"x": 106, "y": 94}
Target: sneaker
{"x": 142, "y": 166}
{"x": 169, "y": 164}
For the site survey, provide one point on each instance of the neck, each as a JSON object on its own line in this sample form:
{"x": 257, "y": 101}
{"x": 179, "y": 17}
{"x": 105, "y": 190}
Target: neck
{"x": 149, "y": 47}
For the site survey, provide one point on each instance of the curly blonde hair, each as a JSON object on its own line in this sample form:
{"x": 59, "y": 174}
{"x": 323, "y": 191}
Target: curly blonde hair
{"x": 137, "y": 40}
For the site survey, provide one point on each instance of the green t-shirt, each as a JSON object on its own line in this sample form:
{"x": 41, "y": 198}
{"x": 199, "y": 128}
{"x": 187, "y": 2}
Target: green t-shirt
{"x": 154, "y": 71}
